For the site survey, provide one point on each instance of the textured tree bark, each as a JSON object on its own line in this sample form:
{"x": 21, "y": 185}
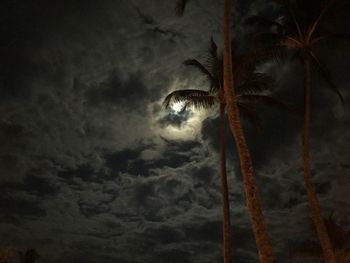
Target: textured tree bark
{"x": 249, "y": 181}
{"x": 226, "y": 228}
{"x": 316, "y": 213}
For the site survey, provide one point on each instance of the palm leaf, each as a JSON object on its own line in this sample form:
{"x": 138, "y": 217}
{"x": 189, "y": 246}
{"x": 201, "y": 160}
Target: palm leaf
{"x": 294, "y": 20}
{"x": 213, "y": 50}
{"x": 318, "y": 19}
{"x": 212, "y": 59}
{"x": 257, "y": 83}
{"x": 265, "y": 38}
{"x": 201, "y": 102}
{"x": 264, "y": 22}
{"x": 203, "y": 69}
{"x": 251, "y": 115}
{"x": 266, "y": 46}
{"x": 324, "y": 72}
{"x": 268, "y": 100}
{"x": 331, "y": 36}
{"x": 192, "y": 97}
{"x": 257, "y": 55}
{"x": 195, "y": 63}
{"x": 214, "y": 66}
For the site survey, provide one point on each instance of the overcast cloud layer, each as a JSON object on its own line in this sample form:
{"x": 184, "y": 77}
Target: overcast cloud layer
{"x": 93, "y": 169}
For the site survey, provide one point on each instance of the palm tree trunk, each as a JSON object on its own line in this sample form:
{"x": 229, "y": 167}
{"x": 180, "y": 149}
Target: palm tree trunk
{"x": 250, "y": 186}
{"x": 226, "y": 228}
{"x": 316, "y": 213}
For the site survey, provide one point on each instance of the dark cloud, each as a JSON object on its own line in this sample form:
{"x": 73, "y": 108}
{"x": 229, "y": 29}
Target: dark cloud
{"x": 20, "y": 208}
{"x": 84, "y": 172}
{"x": 204, "y": 174}
{"x": 34, "y": 184}
{"x": 130, "y": 94}
{"x": 89, "y": 210}
{"x": 153, "y": 27}
{"x": 210, "y": 132}
{"x": 174, "y": 255}
{"x": 174, "y": 154}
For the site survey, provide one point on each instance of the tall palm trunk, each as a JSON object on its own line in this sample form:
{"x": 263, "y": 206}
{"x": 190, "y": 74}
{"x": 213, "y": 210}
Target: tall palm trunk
{"x": 251, "y": 191}
{"x": 226, "y": 228}
{"x": 316, "y": 213}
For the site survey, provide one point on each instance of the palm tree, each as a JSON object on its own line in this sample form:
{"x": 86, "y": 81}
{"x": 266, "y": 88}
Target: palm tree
{"x": 301, "y": 30}
{"x": 252, "y": 93}
{"x": 257, "y": 218}
{"x": 29, "y": 256}
{"x": 340, "y": 239}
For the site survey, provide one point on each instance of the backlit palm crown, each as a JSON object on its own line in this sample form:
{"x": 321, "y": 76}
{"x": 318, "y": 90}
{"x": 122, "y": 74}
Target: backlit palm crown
{"x": 301, "y": 28}
{"x": 251, "y": 87}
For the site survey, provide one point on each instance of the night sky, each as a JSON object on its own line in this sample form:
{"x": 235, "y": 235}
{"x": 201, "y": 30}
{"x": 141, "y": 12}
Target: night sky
{"x": 94, "y": 169}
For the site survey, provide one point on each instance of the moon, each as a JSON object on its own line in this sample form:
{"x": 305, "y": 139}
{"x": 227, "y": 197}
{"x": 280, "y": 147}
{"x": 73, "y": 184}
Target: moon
{"x": 191, "y": 129}
{"x": 177, "y": 107}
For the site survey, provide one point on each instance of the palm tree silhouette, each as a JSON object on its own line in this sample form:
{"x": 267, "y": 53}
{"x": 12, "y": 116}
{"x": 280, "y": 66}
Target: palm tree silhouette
{"x": 252, "y": 92}
{"x": 256, "y": 216}
{"x": 339, "y": 236}
{"x": 30, "y": 256}
{"x": 301, "y": 30}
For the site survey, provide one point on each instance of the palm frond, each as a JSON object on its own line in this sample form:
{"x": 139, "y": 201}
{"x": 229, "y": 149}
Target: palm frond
{"x": 201, "y": 102}
{"x": 195, "y": 63}
{"x": 324, "y": 72}
{"x": 213, "y": 50}
{"x": 258, "y": 55}
{"x": 180, "y": 7}
{"x": 277, "y": 53}
{"x": 203, "y": 69}
{"x": 212, "y": 61}
{"x": 192, "y": 97}
{"x": 214, "y": 64}
{"x": 255, "y": 84}
{"x": 273, "y": 101}
{"x": 260, "y": 21}
{"x": 265, "y": 38}
{"x": 251, "y": 115}
{"x": 293, "y": 16}
{"x": 318, "y": 19}
{"x": 267, "y": 46}
{"x": 332, "y": 36}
